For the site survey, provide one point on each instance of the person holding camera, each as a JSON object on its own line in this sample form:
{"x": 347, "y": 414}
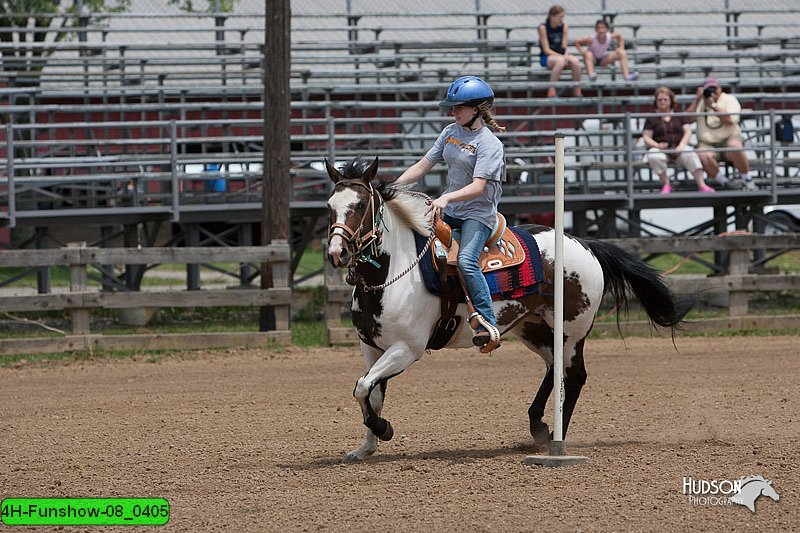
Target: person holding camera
{"x": 718, "y": 129}
{"x": 667, "y": 138}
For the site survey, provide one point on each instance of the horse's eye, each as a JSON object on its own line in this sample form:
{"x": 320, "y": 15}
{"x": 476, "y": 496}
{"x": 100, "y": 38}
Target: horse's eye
{"x": 360, "y": 205}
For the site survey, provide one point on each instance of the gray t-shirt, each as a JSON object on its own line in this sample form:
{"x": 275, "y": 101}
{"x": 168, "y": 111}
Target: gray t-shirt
{"x": 471, "y": 154}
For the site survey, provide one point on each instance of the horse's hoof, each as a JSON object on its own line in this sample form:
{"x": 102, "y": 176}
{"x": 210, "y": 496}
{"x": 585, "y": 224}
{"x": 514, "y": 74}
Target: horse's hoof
{"x": 350, "y": 458}
{"x": 388, "y": 433}
{"x": 541, "y": 434}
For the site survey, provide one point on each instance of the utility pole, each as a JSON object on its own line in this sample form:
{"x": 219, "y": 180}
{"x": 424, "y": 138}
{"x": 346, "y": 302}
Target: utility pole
{"x": 276, "y": 190}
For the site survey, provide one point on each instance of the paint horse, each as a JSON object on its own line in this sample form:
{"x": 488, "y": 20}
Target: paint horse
{"x": 371, "y": 232}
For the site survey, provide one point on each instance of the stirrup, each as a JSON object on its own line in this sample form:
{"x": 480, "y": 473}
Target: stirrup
{"x": 485, "y": 344}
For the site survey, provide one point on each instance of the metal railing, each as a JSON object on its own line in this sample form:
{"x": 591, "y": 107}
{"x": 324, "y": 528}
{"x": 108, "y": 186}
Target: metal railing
{"x": 167, "y": 168}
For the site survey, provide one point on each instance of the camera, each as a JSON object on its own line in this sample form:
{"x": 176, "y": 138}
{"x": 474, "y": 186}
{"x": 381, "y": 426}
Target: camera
{"x": 708, "y": 92}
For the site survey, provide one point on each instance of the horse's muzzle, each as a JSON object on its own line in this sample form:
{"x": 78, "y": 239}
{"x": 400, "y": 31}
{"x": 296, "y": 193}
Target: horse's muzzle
{"x": 338, "y": 255}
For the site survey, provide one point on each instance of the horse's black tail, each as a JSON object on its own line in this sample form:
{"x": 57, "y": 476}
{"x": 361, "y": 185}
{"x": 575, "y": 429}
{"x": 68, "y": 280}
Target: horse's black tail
{"x": 622, "y": 270}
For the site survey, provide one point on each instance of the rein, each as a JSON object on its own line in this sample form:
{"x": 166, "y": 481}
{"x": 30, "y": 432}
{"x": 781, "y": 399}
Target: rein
{"x": 364, "y": 247}
{"x": 409, "y": 268}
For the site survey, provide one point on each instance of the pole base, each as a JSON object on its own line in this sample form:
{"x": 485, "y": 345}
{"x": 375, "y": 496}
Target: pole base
{"x": 557, "y": 457}
{"x": 555, "y": 460}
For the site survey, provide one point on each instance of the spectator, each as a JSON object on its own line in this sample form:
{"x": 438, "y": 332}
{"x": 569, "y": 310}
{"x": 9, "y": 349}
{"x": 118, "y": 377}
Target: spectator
{"x": 718, "y": 130}
{"x": 553, "y": 50}
{"x": 598, "y": 54}
{"x": 667, "y": 137}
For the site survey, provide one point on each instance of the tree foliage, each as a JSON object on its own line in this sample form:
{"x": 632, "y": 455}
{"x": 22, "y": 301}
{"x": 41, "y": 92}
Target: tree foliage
{"x": 212, "y": 6}
{"x": 31, "y": 29}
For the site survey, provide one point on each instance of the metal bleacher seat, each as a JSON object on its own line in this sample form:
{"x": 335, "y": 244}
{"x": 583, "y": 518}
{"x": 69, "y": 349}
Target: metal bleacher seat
{"x": 364, "y": 86}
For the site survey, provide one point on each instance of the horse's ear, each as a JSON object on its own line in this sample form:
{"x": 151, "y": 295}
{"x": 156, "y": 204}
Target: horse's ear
{"x": 334, "y": 174}
{"x": 370, "y": 173}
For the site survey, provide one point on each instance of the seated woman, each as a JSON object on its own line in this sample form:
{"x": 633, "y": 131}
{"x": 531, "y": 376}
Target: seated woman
{"x": 598, "y": 53}
{"x": 553, "y": 50}
{"x": 667, "y": 137}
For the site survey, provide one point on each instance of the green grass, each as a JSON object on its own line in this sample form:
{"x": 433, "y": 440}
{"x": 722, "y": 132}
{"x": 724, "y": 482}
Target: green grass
{"x": 308, "y": 334}
{"x": 9, "y": 360}
{"x": 311, "y": 261}
{"x": 151, "y": 356}
{"x": 308, "y": 326}
{"x": 762, "y": 303}
{"x": 788, "y": 262}
{"x": 59, "y": 276}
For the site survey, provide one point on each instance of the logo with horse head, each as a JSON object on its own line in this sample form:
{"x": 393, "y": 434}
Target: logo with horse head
{"x": 743, "y": 491}
{"x": 751, "y": 488}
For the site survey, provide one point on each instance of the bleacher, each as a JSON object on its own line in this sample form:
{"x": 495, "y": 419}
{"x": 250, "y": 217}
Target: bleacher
{"x": 130, "y": 49}
{"x": 141, "y": 123}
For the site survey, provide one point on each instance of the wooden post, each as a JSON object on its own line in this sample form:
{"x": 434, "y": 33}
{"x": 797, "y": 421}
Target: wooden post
{"x": 720, "y": 226}
{"x": 277, "y": 187}
{"x": 44, "y": 282}
{"x": 193, "y": 269}
{"x": 245, "y": 231}
{"x": 107, "y": 271}
{"x": 337, "y": 295}
{"x": 332, "y": 280}
{"x": 280, "y": 279}
{"x": 737, "y": 300}
{"x": 77, "y": 283}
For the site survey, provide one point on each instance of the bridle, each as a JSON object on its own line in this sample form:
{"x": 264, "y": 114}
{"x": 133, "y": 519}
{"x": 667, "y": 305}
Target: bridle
{"x": 363, "y": 246}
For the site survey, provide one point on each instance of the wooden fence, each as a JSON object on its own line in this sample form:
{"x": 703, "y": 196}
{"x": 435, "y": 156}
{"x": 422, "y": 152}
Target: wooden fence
{"x": 80, "y": 299}
{"x": 737, "y": 283}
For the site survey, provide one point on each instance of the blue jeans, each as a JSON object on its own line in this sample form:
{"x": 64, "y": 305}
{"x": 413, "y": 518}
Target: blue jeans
{"x": 474, "y": 235}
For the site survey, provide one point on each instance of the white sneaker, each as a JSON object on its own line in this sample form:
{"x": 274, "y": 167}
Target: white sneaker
{"x": 633, "y": 76}
{"x": 593, "y": 76}
{"x": 749, "y": 185}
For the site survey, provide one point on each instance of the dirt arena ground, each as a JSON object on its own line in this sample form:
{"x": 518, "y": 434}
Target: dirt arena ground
{"x": 251, "y": 440}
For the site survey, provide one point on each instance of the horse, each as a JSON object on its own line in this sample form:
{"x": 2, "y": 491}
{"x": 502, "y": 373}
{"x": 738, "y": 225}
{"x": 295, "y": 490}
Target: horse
{"x": 371, "y": 232}
{"x": 751, "y": 488}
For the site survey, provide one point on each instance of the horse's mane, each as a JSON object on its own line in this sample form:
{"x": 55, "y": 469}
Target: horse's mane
{"x": 354, "y": 168}
{"x": 408, "y": 206}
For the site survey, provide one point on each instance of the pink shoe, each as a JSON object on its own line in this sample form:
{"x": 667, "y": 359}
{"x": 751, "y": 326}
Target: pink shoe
{"x": 666, "y": 188}
{"x": 706, "y": 188}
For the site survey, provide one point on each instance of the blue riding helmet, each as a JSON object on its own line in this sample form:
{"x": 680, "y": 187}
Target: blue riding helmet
{"x": 470, "y": 91}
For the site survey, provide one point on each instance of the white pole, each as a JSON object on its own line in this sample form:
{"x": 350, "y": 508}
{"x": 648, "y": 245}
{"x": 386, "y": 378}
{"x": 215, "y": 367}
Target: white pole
{"x": 558, "y": 449}
{"x": 557, "y": 445}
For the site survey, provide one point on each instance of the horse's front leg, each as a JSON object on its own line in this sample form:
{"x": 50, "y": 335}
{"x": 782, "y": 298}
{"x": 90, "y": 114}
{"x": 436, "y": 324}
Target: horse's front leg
{"x": 370, "y": 443}
{"x": 370, "y": 390}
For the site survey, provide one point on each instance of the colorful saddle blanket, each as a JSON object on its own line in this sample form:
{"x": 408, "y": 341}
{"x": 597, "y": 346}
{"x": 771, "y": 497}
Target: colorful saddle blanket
{"x": 505, "y": 284}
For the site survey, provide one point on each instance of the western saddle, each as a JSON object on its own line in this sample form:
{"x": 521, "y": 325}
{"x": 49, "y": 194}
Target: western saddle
{"x": 501, "y": 250}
